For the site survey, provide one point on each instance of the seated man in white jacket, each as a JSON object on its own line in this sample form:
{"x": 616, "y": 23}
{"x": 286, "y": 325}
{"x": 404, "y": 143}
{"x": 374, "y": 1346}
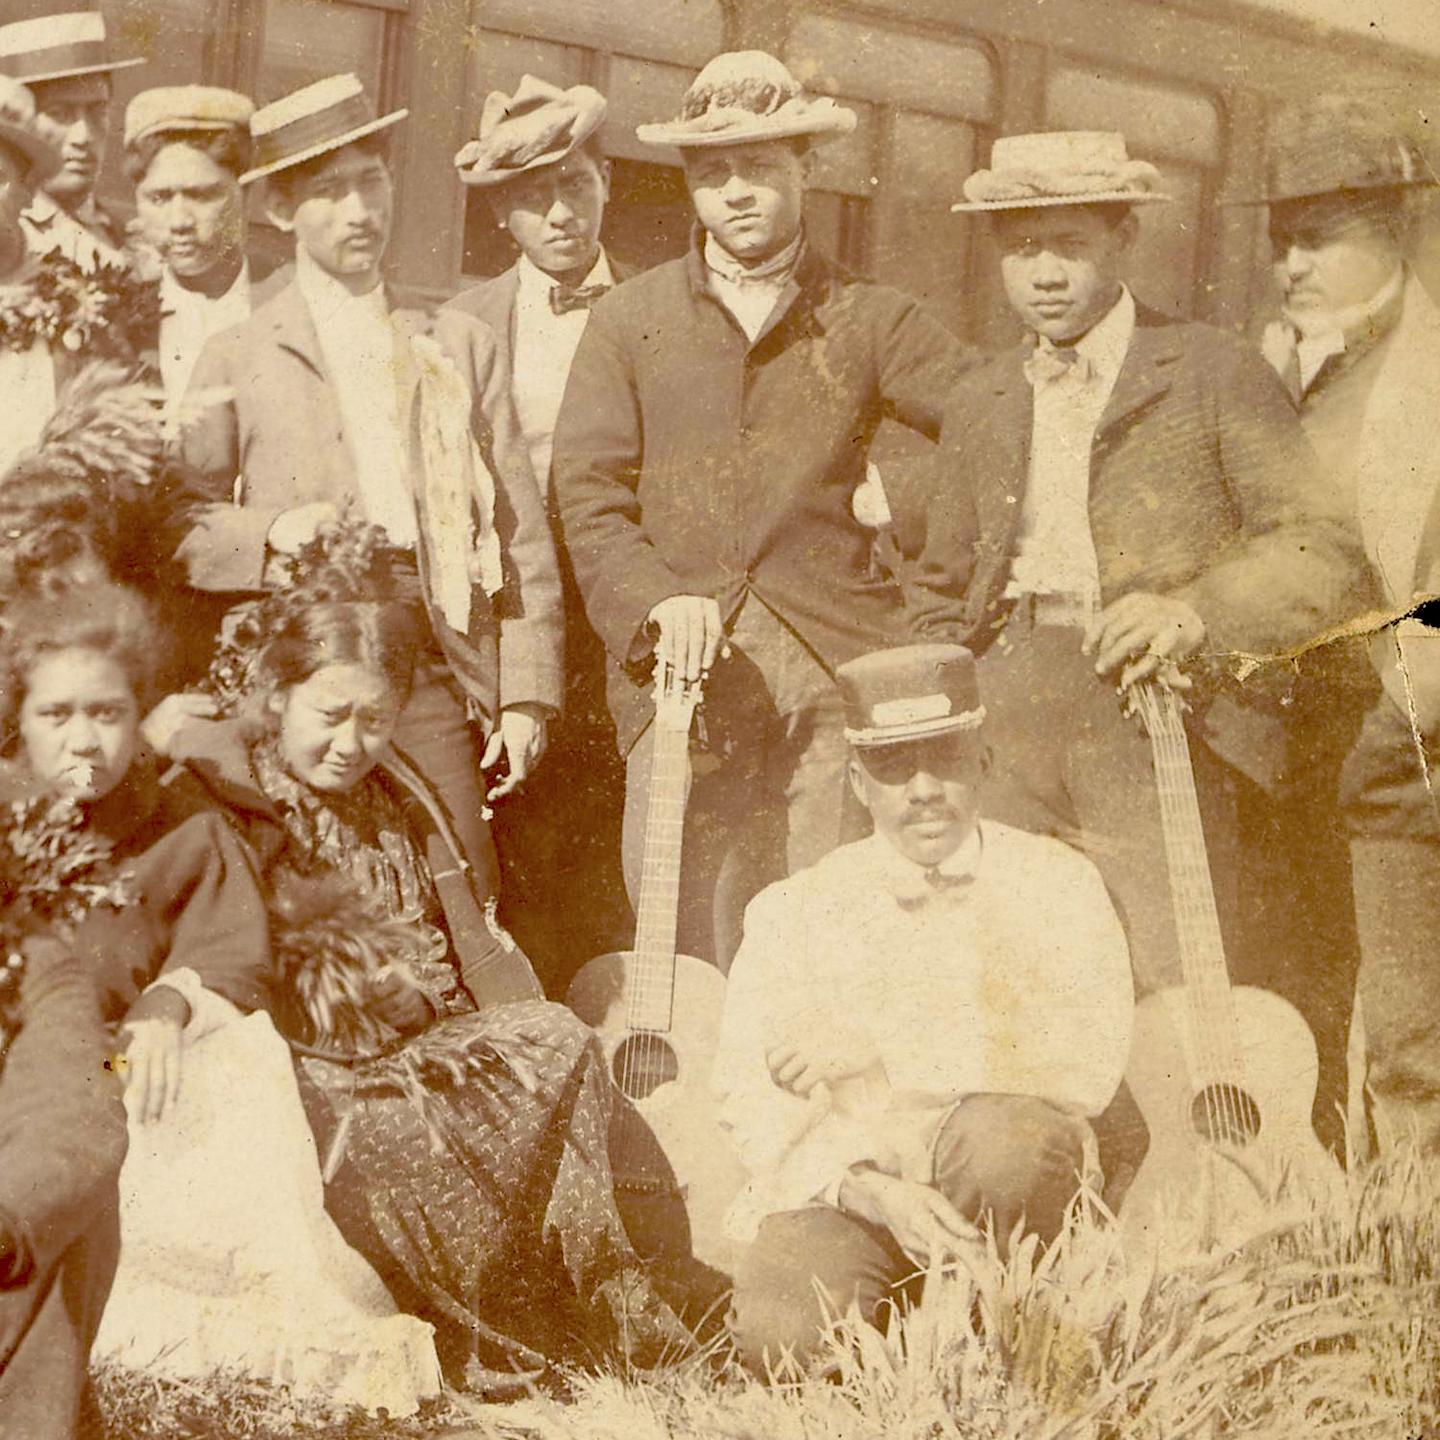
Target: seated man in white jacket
{"x": 917, "y": 1029}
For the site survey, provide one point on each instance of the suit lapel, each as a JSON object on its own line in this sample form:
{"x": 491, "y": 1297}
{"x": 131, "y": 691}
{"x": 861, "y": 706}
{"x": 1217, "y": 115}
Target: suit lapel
{"x": 1001, "y": 451}
{"x": 292, "y": 329}
{"x": 1147, "y": 373}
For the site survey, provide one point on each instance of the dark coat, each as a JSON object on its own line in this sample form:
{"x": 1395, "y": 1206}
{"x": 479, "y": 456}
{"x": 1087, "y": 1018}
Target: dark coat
{"x": 689, "y": 461}
{"x": 215, "y": 755}
{"x": 62, "y": 1139}
{"x": 1202, "y": 486}
{"x": 279, "y": 436}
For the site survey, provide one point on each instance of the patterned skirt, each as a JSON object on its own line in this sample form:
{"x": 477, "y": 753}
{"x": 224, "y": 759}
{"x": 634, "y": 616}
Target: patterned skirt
{"x": 471, "y": 1170}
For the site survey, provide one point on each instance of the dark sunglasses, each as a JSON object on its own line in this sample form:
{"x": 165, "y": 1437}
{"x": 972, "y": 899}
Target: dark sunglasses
{"x": 946, "y": 757}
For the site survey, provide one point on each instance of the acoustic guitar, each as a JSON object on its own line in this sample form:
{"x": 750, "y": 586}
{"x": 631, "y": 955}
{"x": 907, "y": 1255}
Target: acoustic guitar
{"x": 1224, "y": 1075}
{"x": 658, "y": 1017}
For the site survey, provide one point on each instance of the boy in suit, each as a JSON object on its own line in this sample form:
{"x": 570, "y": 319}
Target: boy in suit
{"x": 538, "y": 161}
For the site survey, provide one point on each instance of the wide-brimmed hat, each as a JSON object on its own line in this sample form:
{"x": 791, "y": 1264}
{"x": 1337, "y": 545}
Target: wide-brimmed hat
{"x": 1061, "y": 167}
{"x": 325, "y": 116}
{"x": 540, "y": 124}
{"x": 186, "y": 107}
{"x": 1332, "y": 144}
{"x": 57, "y": 47}
{"x": 744, "y": 96}
{"x": 892, "y": 697}
{"x": 20, "y": 129}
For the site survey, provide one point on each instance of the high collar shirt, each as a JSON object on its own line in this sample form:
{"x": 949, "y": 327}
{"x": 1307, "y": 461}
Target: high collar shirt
{"x": 81, "y": 236}
{"x": 1008, "y": 972}
{"x": 1346, "y": 332}
{"x": 188, "y": 319}
{"x": 545, "y": 345}
{"x": 27, "y": 381}
{"x": 750, "y": 294}
{"x": 1055, "y": 552}
{"x": 357, "y": 342}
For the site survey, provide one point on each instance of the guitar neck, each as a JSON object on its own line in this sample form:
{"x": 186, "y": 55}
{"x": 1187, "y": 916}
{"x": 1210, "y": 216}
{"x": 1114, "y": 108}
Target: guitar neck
{"x": 652, "y": 989}
{"x": 1197, "y": 918}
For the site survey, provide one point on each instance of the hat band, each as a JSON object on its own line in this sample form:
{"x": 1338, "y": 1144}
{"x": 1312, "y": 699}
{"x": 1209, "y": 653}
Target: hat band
{"x": 307, "y": 131}
{"x": 73, "y": 55}
{"x": 917, "y": 730}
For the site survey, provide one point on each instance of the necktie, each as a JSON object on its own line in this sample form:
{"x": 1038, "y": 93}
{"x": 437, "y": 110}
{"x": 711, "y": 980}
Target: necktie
{"x": 1048, "y": 363}
{"x": 917, "y": 891}
{"x": 565, "y": 298}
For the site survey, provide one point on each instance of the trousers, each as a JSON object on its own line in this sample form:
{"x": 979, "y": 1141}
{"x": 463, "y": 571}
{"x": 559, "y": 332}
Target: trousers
{"x": 1393, "y": 816}
{"x": 1005, "y": 1161}
{"x": 768, "y": 793}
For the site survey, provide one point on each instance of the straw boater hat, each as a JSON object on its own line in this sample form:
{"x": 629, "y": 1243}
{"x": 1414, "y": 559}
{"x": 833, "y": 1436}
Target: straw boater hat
{"x": 1061, "y": 167}
{"x": 1331, "y": 145}
{"x": 20, "y": 130}
{"x": 910, "y": 693}
{"x": 744, "y": 96}
{"x": 322, "y": 117}
{"x": 540, "y": 124}
{"x": 186, "y": 107}
{"x": 57, "y": 47}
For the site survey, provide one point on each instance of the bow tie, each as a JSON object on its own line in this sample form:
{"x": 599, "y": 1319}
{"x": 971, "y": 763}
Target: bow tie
{"x": 565, "y": 298}
{"x": 914, "y": 892}
{"x": 1048, "y": 363}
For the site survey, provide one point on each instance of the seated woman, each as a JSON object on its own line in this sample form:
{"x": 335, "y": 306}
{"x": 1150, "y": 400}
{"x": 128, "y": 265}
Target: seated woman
{"x": 228, "y": 1259}
{"x": 464, "y": 1136}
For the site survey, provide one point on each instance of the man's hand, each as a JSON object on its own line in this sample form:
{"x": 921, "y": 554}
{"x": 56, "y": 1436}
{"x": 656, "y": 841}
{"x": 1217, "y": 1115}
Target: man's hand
{"x": 1143, "y": 632}
{"x": 926, "y": 1226}
{"x": 153, "y": 1052}
{"x": 160, "y": 726}
{"x": 520, "y": 739}
{"x": 689, "y": 634}
{"x": 293, "y": 528}
{"x": 799, "y": 1065}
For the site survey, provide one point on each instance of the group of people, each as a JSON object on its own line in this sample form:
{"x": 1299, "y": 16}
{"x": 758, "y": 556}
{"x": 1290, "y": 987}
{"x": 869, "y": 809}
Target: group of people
{"x": 330, "y": 631}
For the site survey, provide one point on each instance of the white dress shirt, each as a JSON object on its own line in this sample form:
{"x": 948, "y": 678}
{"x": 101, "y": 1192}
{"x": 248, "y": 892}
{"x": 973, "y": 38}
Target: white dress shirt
{"x": 188, "y": 319}
{"x": 750, "y": 293}
{"x": 545, "y": 345}
{"x": 1014, "y": 979}
{"x": 79, "y": 237}
{"x": 1055, "y": 552}
{"x": 27, "y": 383}
{"x": 357, "y": 342}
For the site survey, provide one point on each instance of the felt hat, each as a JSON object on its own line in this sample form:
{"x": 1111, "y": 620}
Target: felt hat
{"x": 58, "y": 47}
{"x": 1061, "y": 167}
{"x": 909, "y": 693}
{"x": 540, "y": 124}
{"x": 186, "y": 107}
{"x": 20, "y": 129}
{"x": 325, "y": 116}
{"x": 1333, "y": 144}
{"x": 744, "y": 96}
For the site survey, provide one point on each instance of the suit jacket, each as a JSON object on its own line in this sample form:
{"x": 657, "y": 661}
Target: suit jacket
{"x": 276, "y": 441}
{"x": 691, "y": 461}
{"x": 1202, "y": 486}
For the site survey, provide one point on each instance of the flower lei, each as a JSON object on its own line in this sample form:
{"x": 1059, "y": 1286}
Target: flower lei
{"x": 53, "y": 872}
{"x": 112, "y": 312}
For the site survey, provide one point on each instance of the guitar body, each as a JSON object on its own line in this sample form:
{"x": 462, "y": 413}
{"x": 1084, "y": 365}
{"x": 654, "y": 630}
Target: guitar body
{"x": 666, "y": 1076}
{"x": 1197, "y": 1188}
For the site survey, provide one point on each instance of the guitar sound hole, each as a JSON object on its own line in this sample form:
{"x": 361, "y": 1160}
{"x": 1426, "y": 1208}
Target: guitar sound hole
{"x": 1225, "y": 1115}
{"x": 643, "y": 1063}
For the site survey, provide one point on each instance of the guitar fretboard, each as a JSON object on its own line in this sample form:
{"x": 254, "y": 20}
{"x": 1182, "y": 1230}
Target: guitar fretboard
{"x": 1211, "y": 1013}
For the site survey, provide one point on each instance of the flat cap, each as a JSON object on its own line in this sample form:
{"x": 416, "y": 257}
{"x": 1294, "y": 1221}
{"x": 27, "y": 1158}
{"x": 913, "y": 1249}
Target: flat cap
{"x": 186, "y": 107}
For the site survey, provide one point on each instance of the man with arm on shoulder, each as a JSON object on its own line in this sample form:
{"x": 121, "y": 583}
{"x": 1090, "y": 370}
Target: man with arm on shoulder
{"x": 917, "y": 1029}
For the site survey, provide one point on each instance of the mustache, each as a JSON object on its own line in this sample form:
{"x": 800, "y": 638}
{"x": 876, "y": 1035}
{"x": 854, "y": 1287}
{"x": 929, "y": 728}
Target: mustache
{"x": 929, "y": 814}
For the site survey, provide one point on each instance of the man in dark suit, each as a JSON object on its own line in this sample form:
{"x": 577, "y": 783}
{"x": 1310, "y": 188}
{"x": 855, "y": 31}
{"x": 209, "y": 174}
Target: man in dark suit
{"x": 713, "y": 434}
{"x": 326, "y": 397}
{"x": 538, "y": 160}
{"x": 1119, "y": 498}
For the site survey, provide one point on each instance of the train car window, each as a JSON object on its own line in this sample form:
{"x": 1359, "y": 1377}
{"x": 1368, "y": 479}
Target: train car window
{"x": 1180, "y": 132}
{"x": 688, "y": 31}
{"x": 306, "y": 40}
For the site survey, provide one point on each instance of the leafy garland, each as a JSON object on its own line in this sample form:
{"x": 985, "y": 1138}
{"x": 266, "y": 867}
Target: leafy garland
{"x": 54, "y": 870}
{"x": 112, "y": 312}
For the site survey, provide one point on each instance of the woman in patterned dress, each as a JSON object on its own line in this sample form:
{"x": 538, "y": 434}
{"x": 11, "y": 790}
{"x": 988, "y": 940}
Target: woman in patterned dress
{"x": 464, "y": 1131}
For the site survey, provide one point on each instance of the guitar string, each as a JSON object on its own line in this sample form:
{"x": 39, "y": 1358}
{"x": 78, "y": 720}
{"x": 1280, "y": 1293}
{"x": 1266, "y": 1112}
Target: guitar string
{"x": 1178, "y": 798}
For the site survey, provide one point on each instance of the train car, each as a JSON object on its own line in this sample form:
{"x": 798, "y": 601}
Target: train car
{"x": 1190, "y": 82}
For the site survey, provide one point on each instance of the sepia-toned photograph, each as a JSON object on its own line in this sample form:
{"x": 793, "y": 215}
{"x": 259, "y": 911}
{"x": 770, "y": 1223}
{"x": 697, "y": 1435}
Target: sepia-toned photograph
{"x": 719, "y": 719}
